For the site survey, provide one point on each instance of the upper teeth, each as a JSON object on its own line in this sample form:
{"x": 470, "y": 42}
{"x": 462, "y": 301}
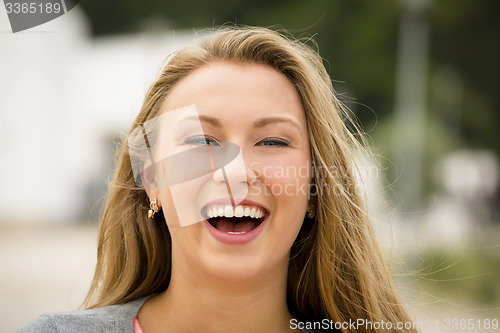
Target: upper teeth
{"x": 238, "y": 211}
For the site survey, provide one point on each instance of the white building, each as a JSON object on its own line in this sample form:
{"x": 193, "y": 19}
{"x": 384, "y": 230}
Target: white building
{"x": 63, "y": 98}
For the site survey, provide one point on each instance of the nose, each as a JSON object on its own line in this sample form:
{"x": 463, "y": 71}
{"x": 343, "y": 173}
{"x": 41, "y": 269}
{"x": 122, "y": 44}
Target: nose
{"x": 235, "y": 173}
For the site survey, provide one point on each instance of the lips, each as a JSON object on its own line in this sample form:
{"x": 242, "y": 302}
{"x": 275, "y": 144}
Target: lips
{"x": 234, "y": 224}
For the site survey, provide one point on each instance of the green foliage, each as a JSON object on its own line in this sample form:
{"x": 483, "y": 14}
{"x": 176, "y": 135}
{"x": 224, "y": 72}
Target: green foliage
{"x": 465, "y": 37}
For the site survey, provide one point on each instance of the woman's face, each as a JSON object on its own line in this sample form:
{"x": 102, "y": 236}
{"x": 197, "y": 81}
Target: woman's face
{"x": 257, "y": 109}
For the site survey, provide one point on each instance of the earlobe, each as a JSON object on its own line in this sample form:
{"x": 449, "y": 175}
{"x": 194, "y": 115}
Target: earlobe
{"x": 311, "y": 205}
{"x": 155, "y": 204}
{"x": 153, "y": 194}
{"x": 311, "y": 211}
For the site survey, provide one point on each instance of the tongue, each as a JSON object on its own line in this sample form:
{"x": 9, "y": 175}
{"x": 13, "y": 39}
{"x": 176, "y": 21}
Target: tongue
{"x": 225, "y": 225}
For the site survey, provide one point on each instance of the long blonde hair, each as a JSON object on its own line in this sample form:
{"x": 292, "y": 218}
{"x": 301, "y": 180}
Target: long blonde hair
{"x": 336, "y": 270}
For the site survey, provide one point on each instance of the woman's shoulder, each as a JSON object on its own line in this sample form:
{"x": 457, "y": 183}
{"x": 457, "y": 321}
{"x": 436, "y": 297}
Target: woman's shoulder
{"x": 113, "y": 318}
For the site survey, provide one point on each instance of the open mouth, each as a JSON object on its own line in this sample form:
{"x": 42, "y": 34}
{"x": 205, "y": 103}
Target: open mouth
{"x": 234, "y": 220}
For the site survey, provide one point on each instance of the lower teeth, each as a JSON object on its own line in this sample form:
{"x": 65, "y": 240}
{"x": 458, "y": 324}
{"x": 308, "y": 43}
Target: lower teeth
{"x": 236, "y": 232}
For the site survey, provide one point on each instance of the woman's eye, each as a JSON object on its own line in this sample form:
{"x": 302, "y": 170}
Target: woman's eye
{"x": 276, "y": 142}
{"x": 201, "y": 140}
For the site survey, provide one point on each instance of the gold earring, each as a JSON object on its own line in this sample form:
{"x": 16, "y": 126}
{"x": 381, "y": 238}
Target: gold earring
{"x": 311, "y": 211}
{"x": 153, "y": 208}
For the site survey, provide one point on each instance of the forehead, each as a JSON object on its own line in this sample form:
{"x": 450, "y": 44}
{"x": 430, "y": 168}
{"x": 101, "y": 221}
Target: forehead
{"x": 238, "y": 90}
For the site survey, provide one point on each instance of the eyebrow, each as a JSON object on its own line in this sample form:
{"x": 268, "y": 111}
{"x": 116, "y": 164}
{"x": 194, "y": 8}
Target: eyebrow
{"x": 209, "y": 119}
{"x": 273, "y": 120}
{"x": 257, "y": 124}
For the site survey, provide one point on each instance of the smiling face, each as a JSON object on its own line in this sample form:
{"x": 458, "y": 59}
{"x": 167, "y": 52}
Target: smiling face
{"x": 258, "y": 109}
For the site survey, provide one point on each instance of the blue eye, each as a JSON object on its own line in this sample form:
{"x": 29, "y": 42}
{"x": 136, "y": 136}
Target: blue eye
{"x": 201, "y": 140}
{"x": 275, "y": 142}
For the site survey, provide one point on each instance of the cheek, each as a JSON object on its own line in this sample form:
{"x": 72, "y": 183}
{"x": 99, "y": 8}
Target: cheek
{"x": 182, "y": 234}
{"x": 287, "y": 178}
{"x": 287, "y": 182}
{"x": 181, "y": 204}
{"x": 168, "y": 208}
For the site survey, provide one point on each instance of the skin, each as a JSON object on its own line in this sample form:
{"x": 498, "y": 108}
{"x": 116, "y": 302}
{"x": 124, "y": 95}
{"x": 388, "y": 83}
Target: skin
{"x": 216, "y": 287}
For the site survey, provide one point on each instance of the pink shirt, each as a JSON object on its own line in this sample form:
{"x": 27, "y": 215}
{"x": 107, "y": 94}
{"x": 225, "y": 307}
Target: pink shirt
{"x": 137, "y": 327}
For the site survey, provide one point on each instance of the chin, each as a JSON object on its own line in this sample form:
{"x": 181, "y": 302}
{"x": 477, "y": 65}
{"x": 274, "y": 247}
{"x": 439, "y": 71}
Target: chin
{"x": 235, "y": 268}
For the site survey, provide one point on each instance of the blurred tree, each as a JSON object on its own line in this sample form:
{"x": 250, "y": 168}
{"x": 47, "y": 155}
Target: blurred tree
{"x": 465, "y": 38}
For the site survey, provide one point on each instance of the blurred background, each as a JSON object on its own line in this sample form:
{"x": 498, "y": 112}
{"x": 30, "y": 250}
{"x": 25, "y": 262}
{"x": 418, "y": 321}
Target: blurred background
{"x": 421, "y": 77}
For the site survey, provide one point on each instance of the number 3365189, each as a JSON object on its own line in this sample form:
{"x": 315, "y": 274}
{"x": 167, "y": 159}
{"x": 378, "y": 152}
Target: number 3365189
{"x": 32, "y": 8}
{"x": 471, "y": 324}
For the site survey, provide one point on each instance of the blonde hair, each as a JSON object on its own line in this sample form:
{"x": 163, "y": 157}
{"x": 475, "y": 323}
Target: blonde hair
{"x": 336, "y": 269}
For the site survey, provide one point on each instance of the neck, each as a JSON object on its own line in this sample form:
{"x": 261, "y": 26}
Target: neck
{"x": 197, "y": 303}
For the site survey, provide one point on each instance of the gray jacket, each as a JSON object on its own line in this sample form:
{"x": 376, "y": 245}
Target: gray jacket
{"x": 109, "y": 319}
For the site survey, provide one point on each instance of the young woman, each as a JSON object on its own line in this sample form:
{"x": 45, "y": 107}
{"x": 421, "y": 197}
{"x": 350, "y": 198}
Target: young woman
{"x": 235, "y": 206}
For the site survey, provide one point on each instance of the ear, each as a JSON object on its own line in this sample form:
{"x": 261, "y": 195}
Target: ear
{"x": 149, "y": 184}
